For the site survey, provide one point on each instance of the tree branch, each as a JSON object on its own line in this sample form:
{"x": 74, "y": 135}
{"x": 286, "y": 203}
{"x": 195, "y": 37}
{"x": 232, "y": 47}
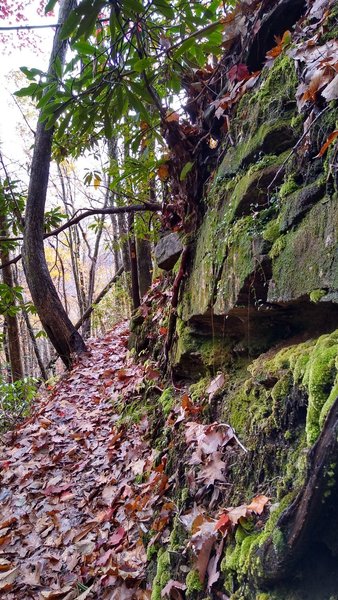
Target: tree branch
{"x": 98, "y": 298}
{"x": 146, "y": 206}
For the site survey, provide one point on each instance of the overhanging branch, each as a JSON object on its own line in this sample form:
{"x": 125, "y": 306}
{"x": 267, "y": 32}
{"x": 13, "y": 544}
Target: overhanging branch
{"x": 113, "y": 210}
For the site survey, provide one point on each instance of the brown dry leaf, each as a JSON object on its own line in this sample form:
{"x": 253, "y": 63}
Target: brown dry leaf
{"x": 331, "y": 90}
{"x": 56, "y": 594}
{"x": 172, "y": 589}
{"x": 213, "y": 471}
{"x": 172, "y": 116}
{"x": 163, "y": 172}
{"x": 329, "y": 141}
{"x": 213, "y": 570}
{"x": 8, "y": 577}
{"x": 258, "y": 504}
{"x": 215, "y": 385}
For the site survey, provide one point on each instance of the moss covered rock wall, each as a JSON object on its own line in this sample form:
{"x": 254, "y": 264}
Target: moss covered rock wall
{"x": 260, "y": 305}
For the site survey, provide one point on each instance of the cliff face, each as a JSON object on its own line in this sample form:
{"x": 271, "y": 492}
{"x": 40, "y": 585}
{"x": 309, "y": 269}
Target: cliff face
{"x": 259, "y": 305}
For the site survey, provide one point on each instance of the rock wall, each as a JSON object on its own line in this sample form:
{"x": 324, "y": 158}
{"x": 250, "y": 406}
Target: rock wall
{"x": 255, "y": 344}
{"x": 260, "y": 305}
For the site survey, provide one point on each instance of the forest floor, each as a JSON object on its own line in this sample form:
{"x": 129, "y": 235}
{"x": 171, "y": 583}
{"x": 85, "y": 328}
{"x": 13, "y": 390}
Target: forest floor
{"x": 96, "y": 478}
{"x": 72, "y": 516}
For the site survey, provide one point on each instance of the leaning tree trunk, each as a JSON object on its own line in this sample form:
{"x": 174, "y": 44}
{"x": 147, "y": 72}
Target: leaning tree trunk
{"x": 62, "y": 334}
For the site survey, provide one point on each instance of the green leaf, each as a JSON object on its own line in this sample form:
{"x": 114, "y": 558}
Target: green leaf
{"x": 133, "y": 6}
{"x": 49, "y": 93}
{"x": 140, "y": 91}
{"x": 27, "y": 91}
{"x": 70, "y": 25}
{"x": 184, "y": 47}
{"x": 137, "y": 105}
{"x": 108, "y": 130}
{"x": 165, "y": 9}
{"x": 63, "y": 125}
{"x": 85, "y": 48}
{"x": 142, "y": 64}
{"x": 50, "y": 5}
{"x": 186, "y": 169}
{"x": 31, "y": 73}
{"x": 58, "y": 67}
{"x": 89, "y": 20}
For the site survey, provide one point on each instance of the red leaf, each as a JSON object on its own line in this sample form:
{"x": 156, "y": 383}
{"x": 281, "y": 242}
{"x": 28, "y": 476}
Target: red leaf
{"x": 117, "y": 537}
{"x": 223, "y": 523}
{"x": 238, "y": 72}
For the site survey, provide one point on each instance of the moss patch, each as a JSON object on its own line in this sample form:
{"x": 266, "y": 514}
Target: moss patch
{"x": 162, "y": 574}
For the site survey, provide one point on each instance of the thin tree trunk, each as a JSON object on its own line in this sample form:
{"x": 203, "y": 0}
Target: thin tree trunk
{"x": 144, "y": 265}
{"x": 64, "y": 337}
{"x": 135, "y": 290}
{"x": 99, "y": 297}
{"x": 13, "y": 331}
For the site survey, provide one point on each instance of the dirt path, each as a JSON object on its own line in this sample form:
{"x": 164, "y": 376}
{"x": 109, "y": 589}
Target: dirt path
{"x": 72, "y": 516}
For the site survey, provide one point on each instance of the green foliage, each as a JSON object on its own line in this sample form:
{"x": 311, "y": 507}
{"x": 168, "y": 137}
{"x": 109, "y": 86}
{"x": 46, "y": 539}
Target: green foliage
{"x": 127, "y": 59}
{"x": 53, "y": 218}
{"x": 12, "y": 205}
{"x": 9, "y": 296}
{"x": 15, "y": 400}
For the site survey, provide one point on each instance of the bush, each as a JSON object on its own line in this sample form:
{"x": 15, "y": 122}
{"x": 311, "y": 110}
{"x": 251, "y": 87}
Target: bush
{"x": 15, "y": 400}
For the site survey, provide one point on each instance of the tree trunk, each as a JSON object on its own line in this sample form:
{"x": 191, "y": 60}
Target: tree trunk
{"x": 135, "y": 291}
{"x": 64, "y": 337}
{"x": 144, "y": 265}
{"x": 12, "y": 325}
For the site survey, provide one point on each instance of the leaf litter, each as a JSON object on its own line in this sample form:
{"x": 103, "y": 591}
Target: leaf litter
{"x": 83, "y": 494}
{"x": 71, "y": 509}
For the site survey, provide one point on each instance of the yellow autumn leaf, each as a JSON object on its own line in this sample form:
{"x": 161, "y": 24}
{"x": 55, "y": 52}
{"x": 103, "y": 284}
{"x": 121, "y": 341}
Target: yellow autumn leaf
{"x": 97, "y": 181}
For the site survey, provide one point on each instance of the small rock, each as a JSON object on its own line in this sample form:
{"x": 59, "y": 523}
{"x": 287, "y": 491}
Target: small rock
{"x": 167, "y": 251}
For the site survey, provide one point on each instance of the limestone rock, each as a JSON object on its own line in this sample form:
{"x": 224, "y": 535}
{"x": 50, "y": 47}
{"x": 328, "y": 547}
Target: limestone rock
{"x": 167, "y": 251}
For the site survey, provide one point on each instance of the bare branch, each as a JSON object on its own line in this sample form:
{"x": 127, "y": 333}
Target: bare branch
{"x": 113, "y": 210}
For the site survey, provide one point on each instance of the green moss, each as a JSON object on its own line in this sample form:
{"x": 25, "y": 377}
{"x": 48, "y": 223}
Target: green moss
{"x": 197, "y": 354}
{"x": 178, "y": 535}
{"x": 152, "y": 551}
{"x": 288, "y": 187}
{"x": 266, "y": 161}
{"x": 162, "y": 574}
{"x": 330, "y": 27}
{"x": 193, "y": 583}
{"x": 134, "y": 411}
{"x": 316, "y": 295}
{"x": 279, "y": 395}
{"x": 271, "y": 136}
{"x": 278, "y": 540}
{"x": 319, "y": 378}
{"x": 167, "y": 400}
{"x": 306, "y": 260}
{"x": 278, "y": 246}
{"x": 313, "y": 366}
{"x": 197, "y": 390}
{"x": 184, "y": 495}
{"x": 271, "y": 232}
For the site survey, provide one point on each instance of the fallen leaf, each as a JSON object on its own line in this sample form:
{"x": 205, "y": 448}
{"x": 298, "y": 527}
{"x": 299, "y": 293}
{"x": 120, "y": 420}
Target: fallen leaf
{"x": 215, "y": 385}
{"x": 8, "y": 577}
{"x": 329, "y": 141}
{"x": 238, "y": 73}
{"x": 171, "y": 589}
{"x": 258, "y": 504}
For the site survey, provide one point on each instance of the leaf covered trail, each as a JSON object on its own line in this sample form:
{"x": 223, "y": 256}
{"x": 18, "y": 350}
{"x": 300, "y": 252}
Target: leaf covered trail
{"x": 72, "y": 516}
